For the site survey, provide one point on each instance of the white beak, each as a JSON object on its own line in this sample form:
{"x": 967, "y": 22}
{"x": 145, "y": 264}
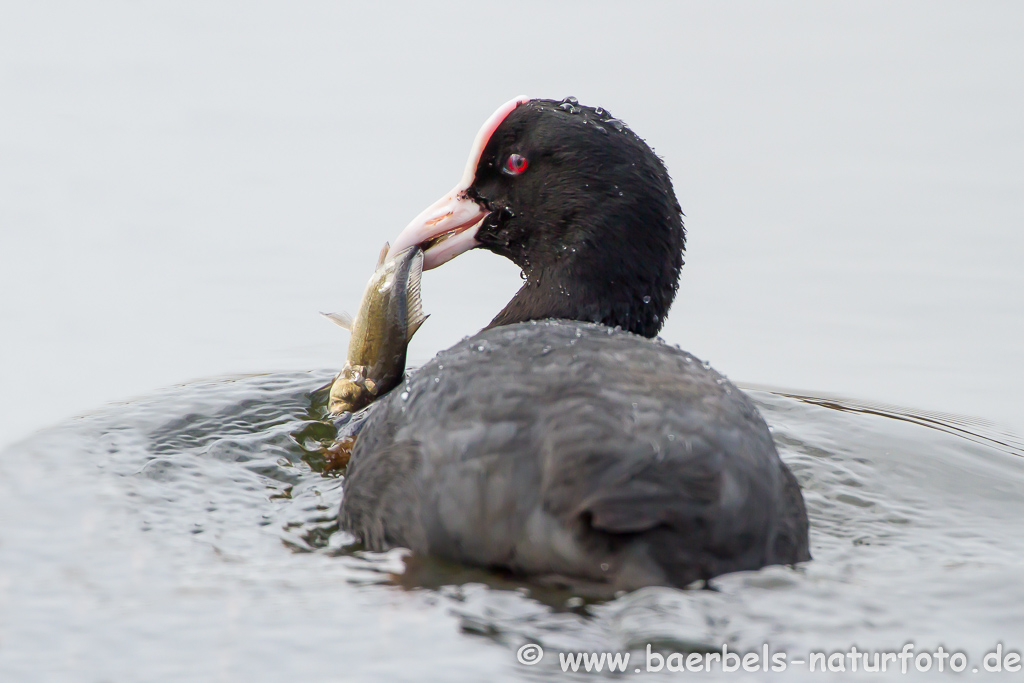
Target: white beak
{"x": 448, "y": 227}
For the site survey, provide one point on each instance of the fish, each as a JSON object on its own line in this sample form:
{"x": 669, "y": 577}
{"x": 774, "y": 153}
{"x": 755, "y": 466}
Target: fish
{"x": 389, "y": 315}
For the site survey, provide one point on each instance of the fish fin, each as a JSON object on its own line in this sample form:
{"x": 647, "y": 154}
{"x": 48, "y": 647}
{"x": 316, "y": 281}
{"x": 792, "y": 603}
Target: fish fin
{"x": 416, "y": 325}
{"x": 414, "y": 306}
{"x": 383, "y": 254}
{"x": 340, "y": 319}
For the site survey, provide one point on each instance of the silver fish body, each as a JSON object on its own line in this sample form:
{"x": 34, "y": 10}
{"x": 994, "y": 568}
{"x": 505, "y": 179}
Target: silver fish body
{"x": 389, "y": 315}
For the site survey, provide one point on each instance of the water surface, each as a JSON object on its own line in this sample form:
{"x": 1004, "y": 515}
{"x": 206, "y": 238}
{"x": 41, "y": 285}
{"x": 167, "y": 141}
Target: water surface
{"x": 191, "y": 535}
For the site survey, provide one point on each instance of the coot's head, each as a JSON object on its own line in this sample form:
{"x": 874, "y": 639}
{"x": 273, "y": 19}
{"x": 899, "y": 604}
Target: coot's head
{"x": 575, "y": 199}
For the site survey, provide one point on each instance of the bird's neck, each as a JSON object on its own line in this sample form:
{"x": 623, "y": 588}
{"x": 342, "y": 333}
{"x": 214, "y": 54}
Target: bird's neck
{"x": 613, "y": 301}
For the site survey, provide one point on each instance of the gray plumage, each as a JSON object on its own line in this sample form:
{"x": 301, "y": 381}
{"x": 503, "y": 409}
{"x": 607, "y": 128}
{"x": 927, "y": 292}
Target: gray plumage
{"x": 571, "y": 449}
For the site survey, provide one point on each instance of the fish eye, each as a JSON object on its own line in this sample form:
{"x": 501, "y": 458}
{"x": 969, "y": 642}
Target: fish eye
{"x": 515, "y": 164}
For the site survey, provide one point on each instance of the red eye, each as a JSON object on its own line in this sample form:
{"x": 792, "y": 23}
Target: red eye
{"x": 516, "y": 164}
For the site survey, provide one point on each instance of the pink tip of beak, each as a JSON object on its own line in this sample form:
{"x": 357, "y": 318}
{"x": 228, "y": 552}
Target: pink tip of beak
{"x": 448, "y": 227}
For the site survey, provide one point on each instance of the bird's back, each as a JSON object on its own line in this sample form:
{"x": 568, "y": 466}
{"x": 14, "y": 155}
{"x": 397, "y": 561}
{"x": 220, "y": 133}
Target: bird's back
{"x": 572, "y": 449}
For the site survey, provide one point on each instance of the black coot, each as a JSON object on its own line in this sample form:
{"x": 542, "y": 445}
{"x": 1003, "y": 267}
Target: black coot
{"x": 562, "y": 441}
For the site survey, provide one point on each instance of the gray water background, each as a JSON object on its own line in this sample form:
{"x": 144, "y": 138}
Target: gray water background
{"x": 184, "y": 186}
